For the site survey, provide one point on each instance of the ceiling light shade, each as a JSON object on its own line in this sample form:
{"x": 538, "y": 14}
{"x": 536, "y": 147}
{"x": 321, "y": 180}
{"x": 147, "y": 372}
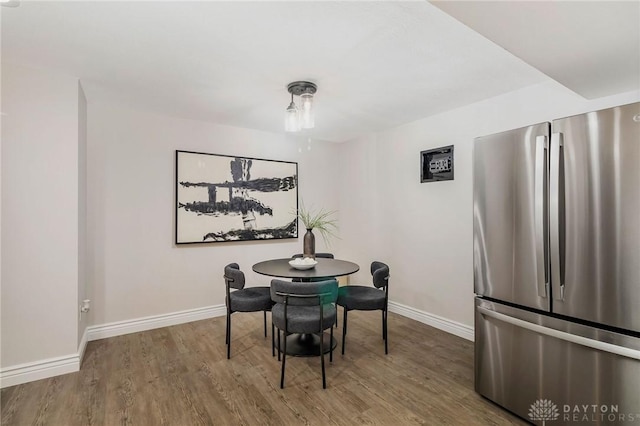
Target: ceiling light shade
{"x": 306, "y": 111}
{"x": 304, "y": 117}
{"x": 291, "y": 118}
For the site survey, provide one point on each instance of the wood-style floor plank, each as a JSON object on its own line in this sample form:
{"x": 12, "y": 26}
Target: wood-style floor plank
{"x": 180, "y": 376}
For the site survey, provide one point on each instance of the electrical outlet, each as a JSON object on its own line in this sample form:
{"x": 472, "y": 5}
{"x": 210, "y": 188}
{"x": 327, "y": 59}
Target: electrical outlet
{"x": 85, "y": 307}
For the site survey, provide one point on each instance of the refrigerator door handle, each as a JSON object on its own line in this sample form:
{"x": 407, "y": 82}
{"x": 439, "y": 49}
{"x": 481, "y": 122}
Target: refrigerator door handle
{"x": 555, "y": 220}
{"x": 540, "y": 211}
{"x": 568, "y": 337}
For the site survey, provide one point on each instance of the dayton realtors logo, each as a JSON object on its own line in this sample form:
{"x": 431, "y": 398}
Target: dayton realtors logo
{"x": 543, "y": 409}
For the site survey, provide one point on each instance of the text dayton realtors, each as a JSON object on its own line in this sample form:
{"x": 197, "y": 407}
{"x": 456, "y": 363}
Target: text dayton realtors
{"x": 596, "y": 413}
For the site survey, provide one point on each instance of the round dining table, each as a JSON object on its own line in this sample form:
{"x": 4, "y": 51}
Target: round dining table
{"x": 326, "y": 268}
{"x": 307, "y": 344}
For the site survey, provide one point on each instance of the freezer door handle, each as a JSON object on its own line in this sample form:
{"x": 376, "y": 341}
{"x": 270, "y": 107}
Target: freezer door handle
{"x": 568, "y": 337}
{"x": 556, "y": 212}
{"x": 540, "y": 211}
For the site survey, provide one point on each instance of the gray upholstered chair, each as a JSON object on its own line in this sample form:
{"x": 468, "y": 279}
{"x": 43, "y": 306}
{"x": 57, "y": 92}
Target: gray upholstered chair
{"x": 304, "y": 308}
{"x": 241, "y": 299}
{"x": 365, "y": 298}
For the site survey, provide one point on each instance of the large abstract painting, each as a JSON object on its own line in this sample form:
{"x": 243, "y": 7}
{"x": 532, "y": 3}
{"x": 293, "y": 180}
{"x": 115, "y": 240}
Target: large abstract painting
{"x": 225, "y": 198}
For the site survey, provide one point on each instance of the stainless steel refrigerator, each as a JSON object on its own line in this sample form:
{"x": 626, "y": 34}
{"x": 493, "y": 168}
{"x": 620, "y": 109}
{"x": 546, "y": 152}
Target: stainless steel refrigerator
{"x": 557, "y": 268}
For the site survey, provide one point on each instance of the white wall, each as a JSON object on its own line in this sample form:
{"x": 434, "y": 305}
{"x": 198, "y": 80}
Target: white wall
{"x": 1, "y": 138}
{"x": 82, "y": 210}
{"x": 363, "y": 229}
{"x": 134, "y": 267}
{"x": 39, "y": 215}
{"x": 424, "y": 231}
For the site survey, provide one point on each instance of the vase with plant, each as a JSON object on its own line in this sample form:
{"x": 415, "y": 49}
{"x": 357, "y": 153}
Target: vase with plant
{"x": 321, "y": 220}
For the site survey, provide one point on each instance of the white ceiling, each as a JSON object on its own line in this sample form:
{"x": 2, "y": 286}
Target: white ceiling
{"x": 593, "y": 47}
{"x": 377, "y": 64}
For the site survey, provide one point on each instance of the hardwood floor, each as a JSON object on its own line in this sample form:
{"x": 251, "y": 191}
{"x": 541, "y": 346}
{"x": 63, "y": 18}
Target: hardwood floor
{"x": 180, "y": 376}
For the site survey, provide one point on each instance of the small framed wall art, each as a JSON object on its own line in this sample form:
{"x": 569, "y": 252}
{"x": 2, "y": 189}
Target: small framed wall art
{"x": 436, "y": 164}
{"x": 227, "y": 198}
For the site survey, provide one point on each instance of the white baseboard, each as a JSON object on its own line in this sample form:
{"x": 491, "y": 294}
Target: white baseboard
{"x": 119, "y": 328}
{"x": 436, "y": 321}
{"x": 43, "y": 369}
{"x": 28, "y": 372}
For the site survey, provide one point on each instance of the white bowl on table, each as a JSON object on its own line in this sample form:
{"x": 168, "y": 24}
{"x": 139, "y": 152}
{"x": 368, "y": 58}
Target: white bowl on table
{"x": 303, "y": 264}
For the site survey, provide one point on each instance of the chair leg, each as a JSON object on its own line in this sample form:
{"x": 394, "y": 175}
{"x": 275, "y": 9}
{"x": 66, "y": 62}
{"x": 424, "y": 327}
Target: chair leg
{"x": 265, "y": 323}
{"x": 273, "y": 340}
{"x": 279, "y": 345}
{"x": 331, "y": 345}
{"x": 386, "y": 336}
{"x": 383, "y": 332}
{"x": 284, "y": 359}
{"x": 228, "y": 335}
{"x": 344, "y": 327}
{"x": 324, "y": 379}
{"x": 226, "y": 330}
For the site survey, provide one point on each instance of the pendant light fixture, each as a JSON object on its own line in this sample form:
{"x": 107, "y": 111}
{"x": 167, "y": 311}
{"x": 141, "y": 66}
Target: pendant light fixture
{"x": 303, "y": 117}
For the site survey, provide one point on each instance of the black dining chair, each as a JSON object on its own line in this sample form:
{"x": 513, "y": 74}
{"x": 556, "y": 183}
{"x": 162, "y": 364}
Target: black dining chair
{"x": 321, "y": 255}
{"x": 244, "y": 299}
{"x": 304, "y": 308}
{"x": 365, "y": 298}
{"x": 318, "y": 255}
